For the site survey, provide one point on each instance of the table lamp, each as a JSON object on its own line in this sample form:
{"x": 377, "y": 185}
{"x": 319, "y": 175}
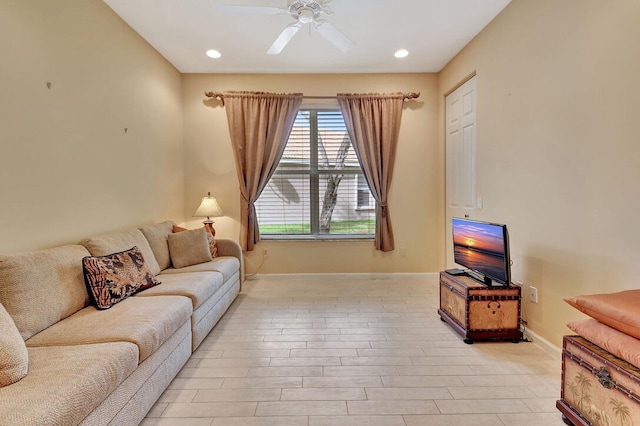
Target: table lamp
{"x": 209, "y": 208}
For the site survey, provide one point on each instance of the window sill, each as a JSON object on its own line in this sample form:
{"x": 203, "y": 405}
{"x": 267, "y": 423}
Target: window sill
{"x": 294, "y": 238}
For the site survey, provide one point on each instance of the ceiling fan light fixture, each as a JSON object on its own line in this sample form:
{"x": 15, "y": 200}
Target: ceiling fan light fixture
{"x": 212, "y": 53}
{"x": 402, "y": 53}
{"x": 306, "y": 15}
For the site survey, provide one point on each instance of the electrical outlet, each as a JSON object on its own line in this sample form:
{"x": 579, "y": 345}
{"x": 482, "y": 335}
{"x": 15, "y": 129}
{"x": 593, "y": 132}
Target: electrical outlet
{"x": 533, "y": 294}
{"x": 265, "y": 253}
{"x": 403, "y": 252}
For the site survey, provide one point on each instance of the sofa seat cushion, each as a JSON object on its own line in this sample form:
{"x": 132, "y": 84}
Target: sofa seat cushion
{"x": 146, "y": 321}
{"x": 40, "y": 288}
{"x": 102, "y": 245}
{"x": 228, "y": 266}
{"x": 197, "y": 286}
{"x": 66, "y": 383}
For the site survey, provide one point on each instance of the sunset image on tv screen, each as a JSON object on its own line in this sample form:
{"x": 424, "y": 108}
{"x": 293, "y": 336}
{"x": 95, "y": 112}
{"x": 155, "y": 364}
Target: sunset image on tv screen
{"x": 478, "y": 236}
{"x": 480, "y": 246}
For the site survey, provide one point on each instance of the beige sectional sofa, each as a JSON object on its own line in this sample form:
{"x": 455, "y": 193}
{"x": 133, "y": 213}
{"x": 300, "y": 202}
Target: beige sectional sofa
{"x": 97, "y": 367}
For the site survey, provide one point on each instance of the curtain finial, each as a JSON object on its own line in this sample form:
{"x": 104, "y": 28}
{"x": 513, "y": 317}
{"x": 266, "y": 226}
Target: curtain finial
{"x": 216, "y": 95}
{"x": 411, "y": 95}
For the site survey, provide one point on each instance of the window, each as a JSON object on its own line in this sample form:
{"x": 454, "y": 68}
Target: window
{"x": 318, "y": 189}
{"x": 365, "y": 199}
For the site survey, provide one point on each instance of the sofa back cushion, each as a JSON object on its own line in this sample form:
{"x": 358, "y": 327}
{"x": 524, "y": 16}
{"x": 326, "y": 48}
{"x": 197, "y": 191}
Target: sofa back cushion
{"x": 114, "y": 242}
{"x": 157, "y": 237}
{"x": 14, "y": 358}
{"x": 40, "y": 288}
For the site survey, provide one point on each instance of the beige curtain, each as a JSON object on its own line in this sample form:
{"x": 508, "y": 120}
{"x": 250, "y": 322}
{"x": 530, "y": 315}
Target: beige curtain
{"x": 373, "y": 123}
{"x": 259, "y": 126}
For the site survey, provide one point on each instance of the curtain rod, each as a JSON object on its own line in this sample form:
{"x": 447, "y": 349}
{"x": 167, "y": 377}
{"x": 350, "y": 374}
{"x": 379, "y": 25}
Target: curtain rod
{"x": 220, "y": 95}
{"x": 406, "y": 96}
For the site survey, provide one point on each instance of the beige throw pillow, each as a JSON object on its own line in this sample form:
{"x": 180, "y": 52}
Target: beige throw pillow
{"x": 189, "y": 248}
{"x": 213, "y": 245}
{"x": 14, "y": 359}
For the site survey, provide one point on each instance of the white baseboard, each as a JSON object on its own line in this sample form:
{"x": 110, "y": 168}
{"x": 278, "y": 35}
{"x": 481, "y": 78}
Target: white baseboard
{"x": 543, "y": 344}
{"x": 372, "y": 275}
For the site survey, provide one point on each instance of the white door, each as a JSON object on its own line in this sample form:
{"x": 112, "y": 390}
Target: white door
{"x": 460, "y": 141}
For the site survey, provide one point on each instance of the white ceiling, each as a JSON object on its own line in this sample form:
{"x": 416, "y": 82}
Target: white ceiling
{"x": 432, "y": 30}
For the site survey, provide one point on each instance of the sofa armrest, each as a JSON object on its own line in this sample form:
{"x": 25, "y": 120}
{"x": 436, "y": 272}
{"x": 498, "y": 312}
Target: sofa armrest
{"x": 229, "y": 247}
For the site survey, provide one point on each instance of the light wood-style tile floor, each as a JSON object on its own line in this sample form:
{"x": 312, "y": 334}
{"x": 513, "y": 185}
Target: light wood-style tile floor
{"x": 354, "y": 351}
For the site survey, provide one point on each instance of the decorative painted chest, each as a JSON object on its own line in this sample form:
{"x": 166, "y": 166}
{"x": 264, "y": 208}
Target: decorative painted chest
{"x": 478, "y": 312}
{"x": 597, "y": 388}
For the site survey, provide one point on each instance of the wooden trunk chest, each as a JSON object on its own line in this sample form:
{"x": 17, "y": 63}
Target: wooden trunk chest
{"x": 479, "y": 312}
{"x": 597, "y": 388}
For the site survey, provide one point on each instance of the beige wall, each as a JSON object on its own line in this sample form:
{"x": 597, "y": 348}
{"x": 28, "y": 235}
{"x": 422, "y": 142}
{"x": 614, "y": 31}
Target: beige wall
{"x": 416, "y": 197}
{"x": 558, "y": 147}
{"x": 67, "y": 167}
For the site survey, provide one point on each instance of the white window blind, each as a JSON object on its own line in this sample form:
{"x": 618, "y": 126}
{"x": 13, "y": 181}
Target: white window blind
{"x": 318, "y": 189}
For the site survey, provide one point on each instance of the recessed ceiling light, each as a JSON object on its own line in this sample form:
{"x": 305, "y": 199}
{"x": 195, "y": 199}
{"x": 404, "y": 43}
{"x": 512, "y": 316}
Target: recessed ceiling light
{"x": 213, "y": 54}
{"x": 402, "y": 53}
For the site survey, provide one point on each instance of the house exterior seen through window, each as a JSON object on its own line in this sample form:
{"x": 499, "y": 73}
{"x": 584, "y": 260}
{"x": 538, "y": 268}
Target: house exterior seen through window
{"x": 318, "y": 189}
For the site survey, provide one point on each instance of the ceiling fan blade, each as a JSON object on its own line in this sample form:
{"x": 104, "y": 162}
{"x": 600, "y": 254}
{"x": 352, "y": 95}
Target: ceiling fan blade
{"x": 334, "y": 35}
{"x": 283, "y": 39}
{"x": 262, "y": 10}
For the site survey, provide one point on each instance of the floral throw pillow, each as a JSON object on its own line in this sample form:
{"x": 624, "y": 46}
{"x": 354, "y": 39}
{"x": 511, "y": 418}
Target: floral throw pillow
{"x": 115, "y": 277}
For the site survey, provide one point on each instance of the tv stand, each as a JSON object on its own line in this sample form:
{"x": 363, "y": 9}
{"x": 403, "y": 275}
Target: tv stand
{"x": 483, "y": 279}
{"x": 479, "y": 312}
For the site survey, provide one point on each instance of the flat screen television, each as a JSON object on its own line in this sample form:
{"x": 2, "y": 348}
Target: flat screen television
{"x": 482, "y": 248}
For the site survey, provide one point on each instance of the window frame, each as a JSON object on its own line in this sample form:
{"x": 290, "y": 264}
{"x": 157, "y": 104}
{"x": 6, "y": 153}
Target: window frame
{"x": 314, "y": 175}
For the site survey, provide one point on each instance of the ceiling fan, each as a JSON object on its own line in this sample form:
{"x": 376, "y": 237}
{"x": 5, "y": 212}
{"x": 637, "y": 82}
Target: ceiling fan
{"x": 304, "y": 12}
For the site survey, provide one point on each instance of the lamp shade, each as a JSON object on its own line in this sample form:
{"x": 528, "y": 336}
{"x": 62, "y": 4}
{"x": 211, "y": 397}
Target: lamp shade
{"x": 208, "y": 208}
